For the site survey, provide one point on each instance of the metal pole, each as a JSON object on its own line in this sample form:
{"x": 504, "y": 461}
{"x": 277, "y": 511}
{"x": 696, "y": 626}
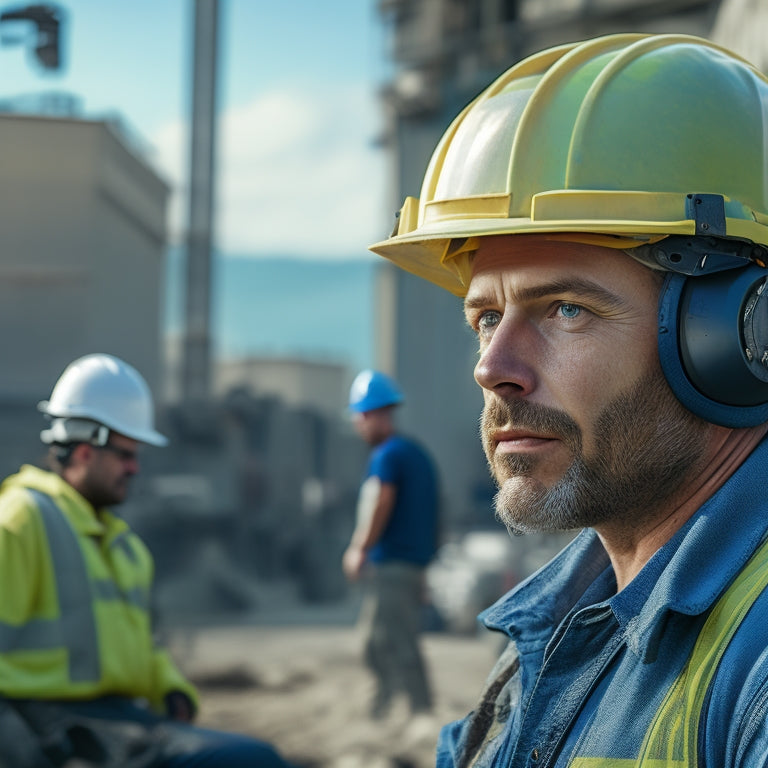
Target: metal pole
{"x": 196, "y": 370}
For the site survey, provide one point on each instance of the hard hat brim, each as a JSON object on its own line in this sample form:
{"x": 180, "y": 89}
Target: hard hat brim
{"x": 427, "y": 252}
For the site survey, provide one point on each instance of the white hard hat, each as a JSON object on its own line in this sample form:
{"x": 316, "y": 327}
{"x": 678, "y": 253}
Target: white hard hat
{"x": 105, "y": 390}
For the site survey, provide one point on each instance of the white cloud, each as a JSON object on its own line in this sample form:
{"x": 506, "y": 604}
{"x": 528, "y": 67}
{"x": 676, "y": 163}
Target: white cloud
{"x": 297, "y": 173}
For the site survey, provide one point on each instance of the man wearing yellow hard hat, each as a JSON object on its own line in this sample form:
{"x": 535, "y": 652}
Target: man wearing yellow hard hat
{"x": 603, "y": 209}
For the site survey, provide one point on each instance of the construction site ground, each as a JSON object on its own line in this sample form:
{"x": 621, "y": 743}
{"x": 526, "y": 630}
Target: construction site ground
{"x": 295, "y": 677}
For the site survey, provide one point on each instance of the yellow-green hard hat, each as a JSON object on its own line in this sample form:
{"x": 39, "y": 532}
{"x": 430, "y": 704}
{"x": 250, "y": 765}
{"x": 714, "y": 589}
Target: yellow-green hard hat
{"x": 610, "y": 140}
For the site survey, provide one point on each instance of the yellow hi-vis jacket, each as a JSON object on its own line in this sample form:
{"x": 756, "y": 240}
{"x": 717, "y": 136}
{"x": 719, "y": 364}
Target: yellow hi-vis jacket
{"x": 75, "y": 610}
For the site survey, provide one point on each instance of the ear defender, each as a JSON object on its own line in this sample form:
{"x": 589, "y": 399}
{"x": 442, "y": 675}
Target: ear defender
{"x": 713, "y": 343}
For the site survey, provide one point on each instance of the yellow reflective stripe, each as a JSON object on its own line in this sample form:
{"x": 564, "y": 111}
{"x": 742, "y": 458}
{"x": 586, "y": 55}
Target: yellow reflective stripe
{"x": 615, "y": 762}
{"x": 672, "y": 738}
{"x": 673, "y": 735}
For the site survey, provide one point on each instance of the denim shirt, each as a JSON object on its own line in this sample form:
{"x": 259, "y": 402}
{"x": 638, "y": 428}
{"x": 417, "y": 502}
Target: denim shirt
{"x": 586, "y": 668}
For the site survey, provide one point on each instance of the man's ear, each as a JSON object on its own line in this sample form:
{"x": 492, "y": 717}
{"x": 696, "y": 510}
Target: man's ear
{"x": 82, "y": 454}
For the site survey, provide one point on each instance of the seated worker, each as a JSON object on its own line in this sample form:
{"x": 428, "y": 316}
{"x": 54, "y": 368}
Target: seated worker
{"x": 81, "y": 676}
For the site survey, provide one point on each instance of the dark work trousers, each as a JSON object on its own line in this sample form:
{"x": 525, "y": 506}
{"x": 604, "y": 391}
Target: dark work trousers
{"x": 391, "y": 621}
{"x": 113, "y": 732}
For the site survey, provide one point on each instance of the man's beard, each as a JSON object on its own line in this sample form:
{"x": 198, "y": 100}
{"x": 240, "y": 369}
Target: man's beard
{"x": 100, "y": 494}
{"x": 645, "y": 445}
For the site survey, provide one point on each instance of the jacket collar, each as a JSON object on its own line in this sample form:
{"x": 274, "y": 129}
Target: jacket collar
{"x": 80, "y": 512}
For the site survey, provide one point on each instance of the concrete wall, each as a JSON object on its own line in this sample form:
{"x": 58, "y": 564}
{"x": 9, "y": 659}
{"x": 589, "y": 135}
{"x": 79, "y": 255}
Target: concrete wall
{"x": 81, "y": 252}
{"x": 298, "y": 383}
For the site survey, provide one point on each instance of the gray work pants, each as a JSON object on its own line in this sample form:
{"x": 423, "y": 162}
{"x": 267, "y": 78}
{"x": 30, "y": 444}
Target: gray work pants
{"x": 391, "y": 621}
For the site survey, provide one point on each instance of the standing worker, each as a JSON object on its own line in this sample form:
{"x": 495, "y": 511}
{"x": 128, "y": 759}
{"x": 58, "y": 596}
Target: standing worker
{"x": 81, "y": 676}
{"x": 396, "y": 533}
{"x": 603, "y": 210}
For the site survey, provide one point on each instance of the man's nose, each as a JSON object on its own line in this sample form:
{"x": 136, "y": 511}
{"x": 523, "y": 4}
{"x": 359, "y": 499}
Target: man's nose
{"x": 506, "y": 364}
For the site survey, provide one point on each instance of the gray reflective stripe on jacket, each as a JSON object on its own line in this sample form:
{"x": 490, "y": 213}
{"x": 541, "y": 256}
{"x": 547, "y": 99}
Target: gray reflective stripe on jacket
{"x": 121, "y": 542}
{"x": 75, "y": 627}
{"x": 105, "y": 589}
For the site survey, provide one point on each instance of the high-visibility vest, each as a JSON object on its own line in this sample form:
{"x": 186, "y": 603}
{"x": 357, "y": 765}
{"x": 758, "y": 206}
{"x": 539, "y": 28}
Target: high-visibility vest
{"x": 90, "y": 631}
{"x": 75, "y": 627}
{"x": 672, "y": 738}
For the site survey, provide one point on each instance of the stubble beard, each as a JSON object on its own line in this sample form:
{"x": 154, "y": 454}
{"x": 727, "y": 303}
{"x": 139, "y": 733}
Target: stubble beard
{"x": 102, "y": 494}
{"x": 646, "y": 446}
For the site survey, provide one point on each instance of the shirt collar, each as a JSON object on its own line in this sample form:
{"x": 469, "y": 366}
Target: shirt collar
{"x": 532, "y": 610}
{"x": 686, "y": 575}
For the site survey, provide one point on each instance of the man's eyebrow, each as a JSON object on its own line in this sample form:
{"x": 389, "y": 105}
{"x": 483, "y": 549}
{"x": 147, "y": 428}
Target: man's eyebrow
{"x": 579, "y": 288}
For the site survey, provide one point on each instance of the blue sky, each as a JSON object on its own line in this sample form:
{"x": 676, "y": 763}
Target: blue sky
{"x": 298, "y": 170}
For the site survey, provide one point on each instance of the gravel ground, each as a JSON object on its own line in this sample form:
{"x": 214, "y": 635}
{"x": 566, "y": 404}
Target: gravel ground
{"x": 302, "y": 687}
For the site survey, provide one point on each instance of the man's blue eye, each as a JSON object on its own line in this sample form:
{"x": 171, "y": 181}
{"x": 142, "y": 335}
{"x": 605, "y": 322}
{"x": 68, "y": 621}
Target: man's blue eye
{"x": 489, "y": 319}
{"x": 569, "y": 311}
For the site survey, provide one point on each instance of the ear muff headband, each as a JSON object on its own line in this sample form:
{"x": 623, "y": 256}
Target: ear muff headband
{"x": 713, "y": 344}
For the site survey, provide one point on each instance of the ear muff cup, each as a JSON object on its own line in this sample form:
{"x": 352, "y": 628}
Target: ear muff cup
{"x": 713, "y": 344}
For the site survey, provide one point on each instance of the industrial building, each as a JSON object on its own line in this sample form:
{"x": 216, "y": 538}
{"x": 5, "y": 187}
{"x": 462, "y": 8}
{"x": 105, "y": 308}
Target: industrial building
{"x": 82, "y": 261}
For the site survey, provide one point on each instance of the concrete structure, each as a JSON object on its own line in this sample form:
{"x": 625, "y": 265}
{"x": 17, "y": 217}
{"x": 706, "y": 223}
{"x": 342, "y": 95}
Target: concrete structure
{"x": 299, "y": 383}
{"x": 80, "y": 265}
{"x": 196, "y": 381}
{"x": 445, "y": 52}
{"x": 82, "y": 249}
{"x": 742, "y": 26}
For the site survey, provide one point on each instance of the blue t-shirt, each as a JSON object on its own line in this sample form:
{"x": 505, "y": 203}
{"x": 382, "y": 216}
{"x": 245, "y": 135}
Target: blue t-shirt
{"x": 411, "y": 532}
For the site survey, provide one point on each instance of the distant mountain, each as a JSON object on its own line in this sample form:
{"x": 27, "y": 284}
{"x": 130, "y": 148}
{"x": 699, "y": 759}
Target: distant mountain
{"x": 284, "y": 306}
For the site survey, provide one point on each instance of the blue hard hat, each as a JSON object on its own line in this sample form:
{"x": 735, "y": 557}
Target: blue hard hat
{"x": 371, "y": 390}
